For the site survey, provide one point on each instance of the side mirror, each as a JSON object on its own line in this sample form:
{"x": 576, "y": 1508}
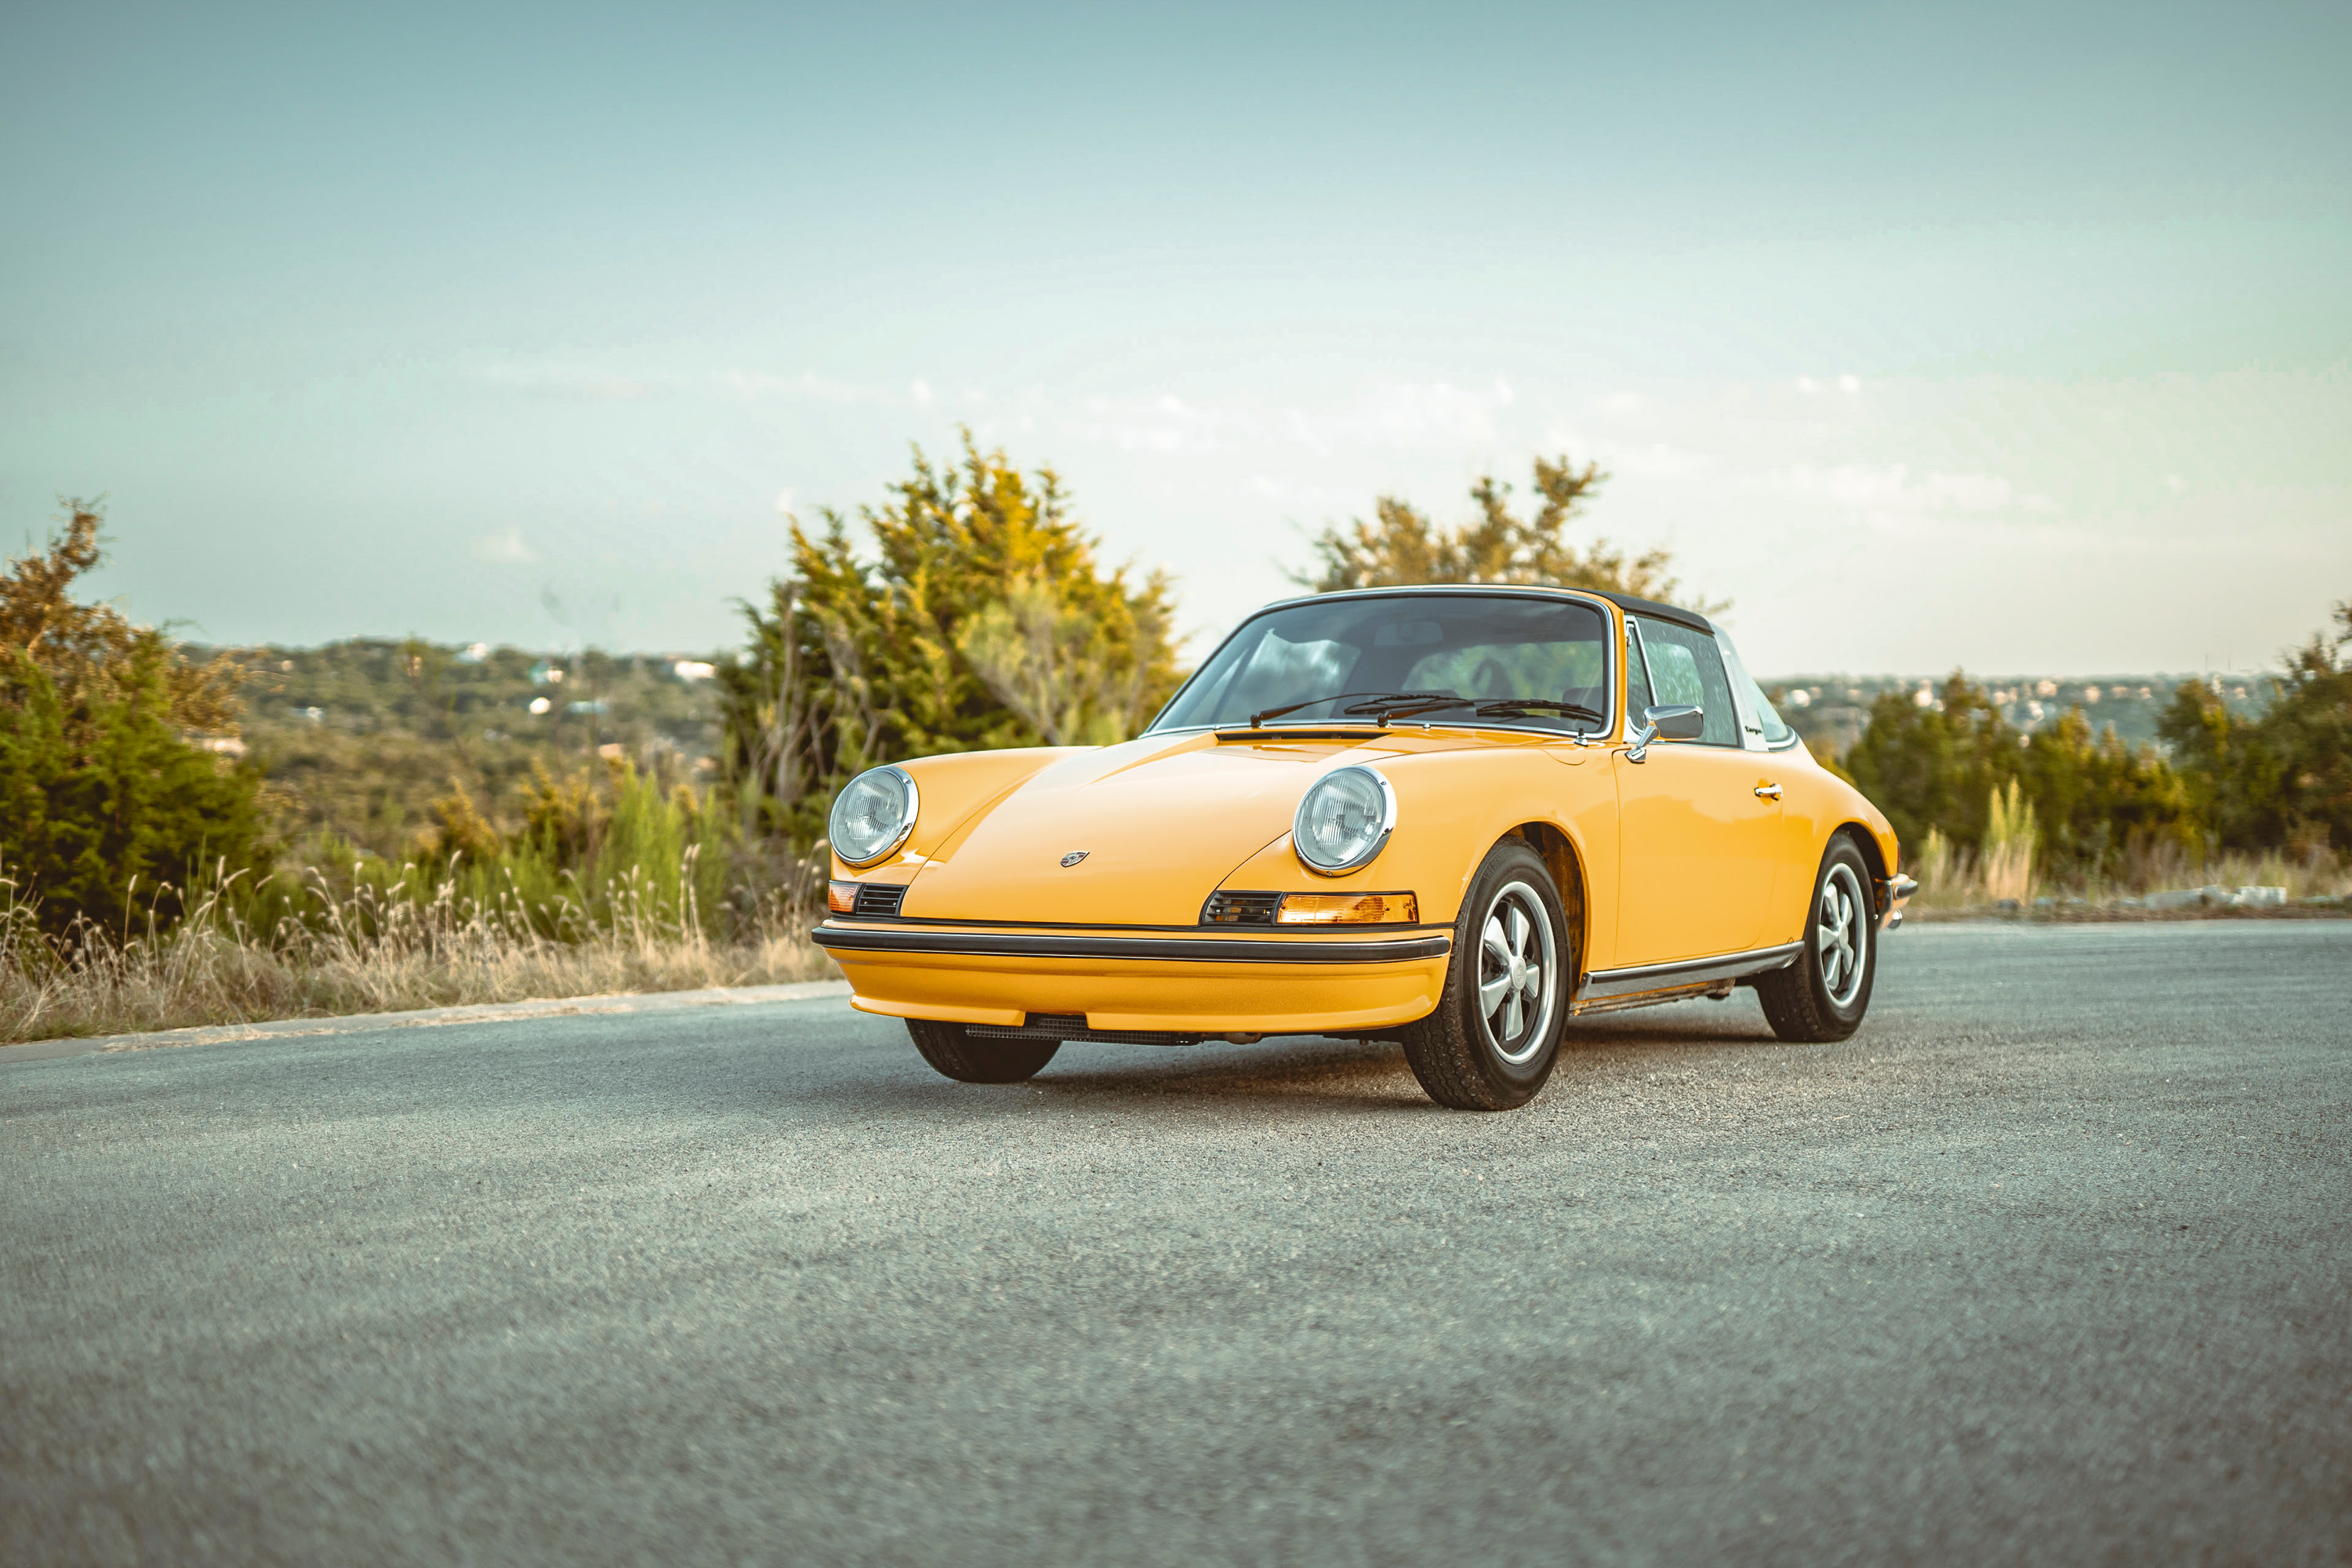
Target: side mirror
{"x": 1675, "y": 721}
{"x": 1666, "y": 722}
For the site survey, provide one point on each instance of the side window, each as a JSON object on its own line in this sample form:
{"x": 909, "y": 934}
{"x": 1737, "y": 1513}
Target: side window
{"x": 1684, "y": 667}
{"x": 1762, "y": 720}
{"x": 1637, "y": 677}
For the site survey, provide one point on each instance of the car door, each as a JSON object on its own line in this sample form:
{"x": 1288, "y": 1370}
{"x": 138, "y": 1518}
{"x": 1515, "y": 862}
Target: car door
{"x": 1778, "y": 753}
{"x": 1699, "y": 845}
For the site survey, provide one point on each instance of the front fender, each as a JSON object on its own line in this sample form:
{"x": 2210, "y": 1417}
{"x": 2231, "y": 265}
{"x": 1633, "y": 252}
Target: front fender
{"x": 1454, "y": 807}
{"x": 953, "y": 789}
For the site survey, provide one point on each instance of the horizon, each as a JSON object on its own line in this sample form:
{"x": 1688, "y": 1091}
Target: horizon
{"x": 1791, "y": 677}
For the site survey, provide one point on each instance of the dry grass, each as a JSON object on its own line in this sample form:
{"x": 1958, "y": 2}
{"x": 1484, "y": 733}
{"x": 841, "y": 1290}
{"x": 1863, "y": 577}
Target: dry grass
{"x": 367, "y": 952}
{"x": 1953, "y": 881}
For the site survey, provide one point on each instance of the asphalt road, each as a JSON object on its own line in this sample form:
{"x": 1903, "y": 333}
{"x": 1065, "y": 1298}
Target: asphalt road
{"x": 2049, "y": 1264}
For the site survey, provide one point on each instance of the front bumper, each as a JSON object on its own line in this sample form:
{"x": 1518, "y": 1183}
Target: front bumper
{"x": 1141, "y": 981}
{"x": 1898, "y": 891}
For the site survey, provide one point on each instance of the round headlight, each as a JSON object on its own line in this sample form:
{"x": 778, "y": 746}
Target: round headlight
{"x": 873, "y": 815}
{"x": 1345, "y": 820}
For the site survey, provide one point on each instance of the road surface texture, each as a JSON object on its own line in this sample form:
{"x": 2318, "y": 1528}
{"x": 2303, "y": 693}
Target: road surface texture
{"x": 2049, "y": 1264}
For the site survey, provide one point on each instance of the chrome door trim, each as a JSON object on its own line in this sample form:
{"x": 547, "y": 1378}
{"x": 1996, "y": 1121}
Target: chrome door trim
{"x": 1602, "y": 983}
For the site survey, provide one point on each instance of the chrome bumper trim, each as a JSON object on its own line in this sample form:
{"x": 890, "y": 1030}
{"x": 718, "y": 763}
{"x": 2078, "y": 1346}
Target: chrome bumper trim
{"x": 1603, "y": 984}
{"x": 1191, "y": 950}
{"x": 1899, "y": 889}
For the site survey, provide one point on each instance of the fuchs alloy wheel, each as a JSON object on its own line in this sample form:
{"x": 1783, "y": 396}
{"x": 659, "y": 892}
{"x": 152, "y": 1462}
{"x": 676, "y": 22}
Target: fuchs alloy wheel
{"x": 1492, "y": 1041}
{"x": 968, "y": 1058}
{"x": 1825, "y": 993}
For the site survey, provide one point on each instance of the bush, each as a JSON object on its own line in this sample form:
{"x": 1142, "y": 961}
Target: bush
{"x": 985, "y": 621}
{"x": 2284, "y": 779}
{"x": 1956, "y": 778}
{"x": 107, "y": 811}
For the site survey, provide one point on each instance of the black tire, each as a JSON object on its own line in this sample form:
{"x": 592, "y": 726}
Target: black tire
{"x": 968, "y": 1058}
{"x": 1818, "y": 998}
{"x": 1486, "y": 1057}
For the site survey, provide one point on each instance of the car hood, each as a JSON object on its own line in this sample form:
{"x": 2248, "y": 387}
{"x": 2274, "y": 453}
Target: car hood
{"x": 1161, "y": 822}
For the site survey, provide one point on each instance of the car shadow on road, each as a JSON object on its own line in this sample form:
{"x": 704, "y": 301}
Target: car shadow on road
{"x": 1292, "y": 1074}
{"x": 1675, "y": 1027}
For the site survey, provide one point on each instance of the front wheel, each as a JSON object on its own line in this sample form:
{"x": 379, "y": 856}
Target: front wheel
{"x": 1824, "y": 994}
{"x": 1491, "y": 1043}
{"x": 967, "y": 1058}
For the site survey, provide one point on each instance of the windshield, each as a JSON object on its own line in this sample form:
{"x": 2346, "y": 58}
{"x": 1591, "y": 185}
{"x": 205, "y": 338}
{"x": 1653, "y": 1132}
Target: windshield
{"x": 1439, "y": 657}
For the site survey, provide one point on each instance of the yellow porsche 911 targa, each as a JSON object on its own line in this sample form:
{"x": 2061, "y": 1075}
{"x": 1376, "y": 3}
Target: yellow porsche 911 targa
{"x": 1453, "y": 818}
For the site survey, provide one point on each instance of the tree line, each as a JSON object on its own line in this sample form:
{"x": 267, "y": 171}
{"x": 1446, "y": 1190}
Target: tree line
{"x": 2281, "y": 779}
{"x": 971, "y": 608}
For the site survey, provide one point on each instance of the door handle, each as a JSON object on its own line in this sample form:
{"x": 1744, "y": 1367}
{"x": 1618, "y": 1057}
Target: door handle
{"x": 1767, "y": 791}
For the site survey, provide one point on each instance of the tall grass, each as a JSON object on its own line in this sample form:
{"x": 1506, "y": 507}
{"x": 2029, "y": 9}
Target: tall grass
{"x": 619, "y": 888}
{"x": 1953, "y": 880}
{"x": 376, "y": 948}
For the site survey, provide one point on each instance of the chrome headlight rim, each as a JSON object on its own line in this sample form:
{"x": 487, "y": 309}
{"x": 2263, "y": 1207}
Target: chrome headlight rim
{"x": 1371, "y": 851}
{"x": 905, "y": 823}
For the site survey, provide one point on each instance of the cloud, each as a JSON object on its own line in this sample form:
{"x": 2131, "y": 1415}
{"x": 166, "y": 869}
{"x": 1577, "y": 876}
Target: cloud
{"x": 592, "y": 383}
{"x": 1164, "y": 424}
{"x": 584, "y": 382}
{"x": 1894, "y": 489}
{"x": 1386, "y": 415}
{"x": 504, "y": 548}
{"x": 753, "y": 385}
{"x": 1649, "y": 460}
{"x": 1306, "y": 496}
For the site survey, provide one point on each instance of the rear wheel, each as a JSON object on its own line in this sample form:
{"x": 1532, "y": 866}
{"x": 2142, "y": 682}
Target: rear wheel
{"x": 1825, "y": 993}
{"x": 968, "y": 1058}
{"x": 1491, "y": 1043}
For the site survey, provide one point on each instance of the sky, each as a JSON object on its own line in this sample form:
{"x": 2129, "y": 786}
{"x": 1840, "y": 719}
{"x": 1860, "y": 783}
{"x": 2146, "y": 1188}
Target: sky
{"x": 2017, "y": 338}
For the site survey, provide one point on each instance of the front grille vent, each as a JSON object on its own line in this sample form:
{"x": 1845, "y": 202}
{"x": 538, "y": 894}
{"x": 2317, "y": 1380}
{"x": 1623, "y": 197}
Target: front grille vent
{"x": 879, "y": 900}
{"x": 1232, "y": 908}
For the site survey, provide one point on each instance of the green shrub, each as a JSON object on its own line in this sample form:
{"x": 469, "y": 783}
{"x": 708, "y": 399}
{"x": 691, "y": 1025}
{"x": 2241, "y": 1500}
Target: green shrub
{"x": 108, "y": 814}
{"x": 985, "y": 621}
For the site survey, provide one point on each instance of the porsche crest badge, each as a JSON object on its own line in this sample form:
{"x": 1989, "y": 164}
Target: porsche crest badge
{"x": 1072, "y": 858}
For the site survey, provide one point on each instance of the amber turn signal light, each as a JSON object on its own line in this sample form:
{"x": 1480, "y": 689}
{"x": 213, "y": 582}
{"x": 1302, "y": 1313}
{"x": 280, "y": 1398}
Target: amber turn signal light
{"x": 841, "y": 898}
{"x": 1348, "y": 909}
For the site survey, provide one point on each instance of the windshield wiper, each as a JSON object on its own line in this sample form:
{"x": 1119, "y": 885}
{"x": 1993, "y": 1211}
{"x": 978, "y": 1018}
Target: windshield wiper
{"x": 1517, "y": 707}
{"x": 1383, "y": 706}
{"x": 1504, "y": 707}
{"x": 1371, "y": 700}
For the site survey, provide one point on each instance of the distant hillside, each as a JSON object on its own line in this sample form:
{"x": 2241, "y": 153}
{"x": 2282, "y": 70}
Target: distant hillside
{"x": 1830, "y": 711}
{"x": 359, "y": 737}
